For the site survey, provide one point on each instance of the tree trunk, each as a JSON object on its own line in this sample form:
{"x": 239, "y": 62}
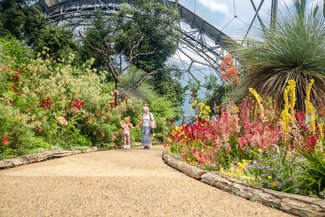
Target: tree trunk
{"x": 116, "y": 81}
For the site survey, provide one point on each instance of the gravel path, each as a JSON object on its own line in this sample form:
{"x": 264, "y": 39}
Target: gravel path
{"x": 115, "y": 183}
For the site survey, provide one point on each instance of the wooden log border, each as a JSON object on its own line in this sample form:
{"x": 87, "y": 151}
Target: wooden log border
{"x": 291, "y": 203}
{"x": 38, "y": 157}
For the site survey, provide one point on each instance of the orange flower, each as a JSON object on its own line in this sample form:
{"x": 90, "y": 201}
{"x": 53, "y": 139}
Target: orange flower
{"x": 229, "y": 70}
{"x": 62, "y": 120}
{"x": 90, "y": 121}
{"x": 103, "y": 119}
{"x": 5, "y": 140}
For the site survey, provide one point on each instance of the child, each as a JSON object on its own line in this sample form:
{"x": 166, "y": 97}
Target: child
{"x": 126, "y": 131}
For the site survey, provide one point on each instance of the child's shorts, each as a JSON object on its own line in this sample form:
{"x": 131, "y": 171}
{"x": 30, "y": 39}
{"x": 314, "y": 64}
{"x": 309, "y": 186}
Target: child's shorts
{"x": 126, "y": 135}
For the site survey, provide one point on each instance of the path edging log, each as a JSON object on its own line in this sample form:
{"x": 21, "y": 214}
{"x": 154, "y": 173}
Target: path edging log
{"x": 290, "y": 203}
{"x": 38, "y": 157}
{"x": 184, "y": 167}
{"x": 46, "y": 155}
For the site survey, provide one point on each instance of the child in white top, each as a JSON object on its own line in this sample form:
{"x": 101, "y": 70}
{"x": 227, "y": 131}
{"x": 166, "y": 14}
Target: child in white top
{"x": 126, "y": 131}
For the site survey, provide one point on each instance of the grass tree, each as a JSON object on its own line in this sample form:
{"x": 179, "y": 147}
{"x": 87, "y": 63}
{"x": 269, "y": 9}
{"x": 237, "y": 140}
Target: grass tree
{"x": 295, "y": 49}
{"x": 135, "y": 83}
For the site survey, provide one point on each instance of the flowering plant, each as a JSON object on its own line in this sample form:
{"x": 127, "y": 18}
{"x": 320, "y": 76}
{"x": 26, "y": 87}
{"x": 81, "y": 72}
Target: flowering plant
{"x": 248, "y": 142}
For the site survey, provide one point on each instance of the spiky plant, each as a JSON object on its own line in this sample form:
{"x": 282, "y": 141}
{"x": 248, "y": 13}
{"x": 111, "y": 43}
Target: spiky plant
{"x": 294, "y": 49}
{"x": 135, "y": 83}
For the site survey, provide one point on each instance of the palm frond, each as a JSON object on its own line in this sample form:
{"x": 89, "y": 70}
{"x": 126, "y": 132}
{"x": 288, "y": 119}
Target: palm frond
{"x": 295, "y": 49}
{"x": 133, "y": 84}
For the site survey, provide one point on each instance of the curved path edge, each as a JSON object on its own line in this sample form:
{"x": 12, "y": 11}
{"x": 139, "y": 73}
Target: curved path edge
{"x": 42, "y": 156}
{"x": 290, "y": 203}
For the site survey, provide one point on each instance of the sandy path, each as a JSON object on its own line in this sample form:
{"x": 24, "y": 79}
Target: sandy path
{"x": 115, "y": 183}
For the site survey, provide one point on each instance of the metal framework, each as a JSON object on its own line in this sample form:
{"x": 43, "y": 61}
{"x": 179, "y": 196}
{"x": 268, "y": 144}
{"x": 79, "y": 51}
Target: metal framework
{"x": 202, "y": 43}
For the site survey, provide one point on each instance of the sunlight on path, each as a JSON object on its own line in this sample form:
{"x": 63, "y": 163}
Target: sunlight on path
{"x": 115, "y": 183}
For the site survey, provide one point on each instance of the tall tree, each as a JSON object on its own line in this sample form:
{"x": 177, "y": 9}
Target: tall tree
{"x": 12, "y": 19}
{"x": 60, "y": 42}
{"x": 157, "y": 24}
{"x": 28, "y": 25}
{"x": 142, "y": 34}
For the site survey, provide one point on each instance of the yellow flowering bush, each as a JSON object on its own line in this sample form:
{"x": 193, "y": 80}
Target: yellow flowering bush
{"x": 203, "y": 110}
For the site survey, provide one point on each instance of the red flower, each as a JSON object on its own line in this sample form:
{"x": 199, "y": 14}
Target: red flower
{"x": 5, "y": 140}
{"x": 4, "y": 68}
{"x": 301, "y": 118}
{"x": 78, "y": 104}
{"x": 46, "y": 103}
{"x": 312, "y": 142}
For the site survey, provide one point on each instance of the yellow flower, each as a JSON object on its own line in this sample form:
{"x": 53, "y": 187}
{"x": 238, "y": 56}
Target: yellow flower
{"x": 258, "y": 99}
{"x": 310, "y": 109}
{"x": 221, "y": 170}
{"x": 239, "y": 171}
{"x": 269, "y": 177}
{"x": 308, "y": 90}
{"x": 285, "y": 115}
{"x": 227, "y": 174}
{"x": 259, "y": 150}
{"x": 273, "y": 184}
{"x": 242, "y": 165}
{"x": 232, "y": 169}
{"x": 247, "y": 177}
{"x": 292, "y": 93}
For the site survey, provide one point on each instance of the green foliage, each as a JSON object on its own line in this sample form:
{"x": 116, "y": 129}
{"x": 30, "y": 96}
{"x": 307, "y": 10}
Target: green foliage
{"x": 157, "y": 24}
{"x": 95, "y": 36}
{"x": 134, "y": 83}
{"x": 144, "y": 35}
{"x": 59, "y": 41}
{"x": 15, "y": 128}
{"x": 3, "y": 58}
{"x": 55, "y": 104}
{"x": 14, "y": 52}
{"x": 292, "y": 50}
{"x": 166, "y": 83}
{"x": 164, "y": 111}
{"x": 313, "y": 177}
{"x": 12, "y": 19}
{"x": 34, "y": 24}
{"x": 218, "y": 92}
{"x": 51, "y": 102}
{"x": 268, "y": 173}
{"x": 27, "y": 24}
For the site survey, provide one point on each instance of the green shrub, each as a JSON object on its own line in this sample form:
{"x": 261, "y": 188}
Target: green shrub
{"x": 14, "y": 52}
{"x": 313, "y": 176}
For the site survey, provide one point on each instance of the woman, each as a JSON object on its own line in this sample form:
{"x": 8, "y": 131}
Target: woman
{"x": 146, "y": 130}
